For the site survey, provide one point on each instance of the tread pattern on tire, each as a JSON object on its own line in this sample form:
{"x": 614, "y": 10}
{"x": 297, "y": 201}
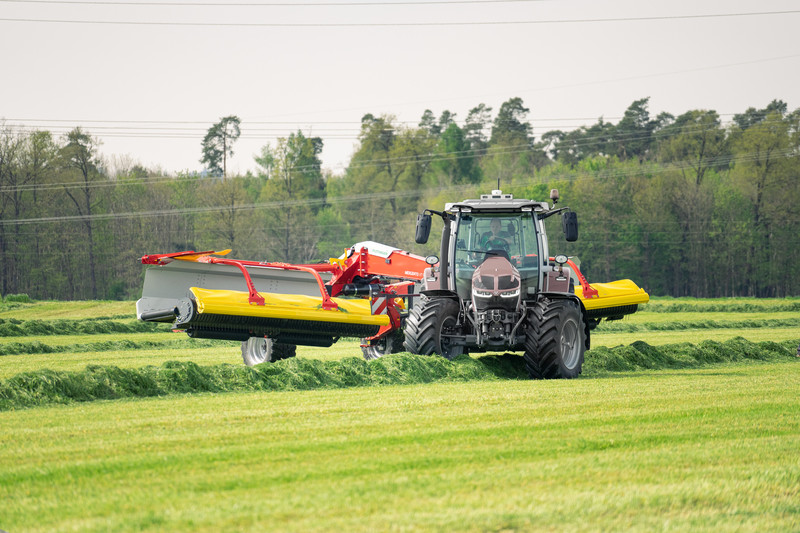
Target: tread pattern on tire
{"x": 542, "y": 339}
{"x": 423, "y": 323}
{"x": 283, "y": 351}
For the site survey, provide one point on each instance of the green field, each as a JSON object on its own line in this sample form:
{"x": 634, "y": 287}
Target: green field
{"x": 678, "y": 434}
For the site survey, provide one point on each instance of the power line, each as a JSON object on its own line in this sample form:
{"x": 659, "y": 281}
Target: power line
{"x": 398, "y": 24}
{"x": 430, "y": 157}
{"x": 273, "y": 122}
{"x": 360, "y": 198}
{"x": 270, "y": 4}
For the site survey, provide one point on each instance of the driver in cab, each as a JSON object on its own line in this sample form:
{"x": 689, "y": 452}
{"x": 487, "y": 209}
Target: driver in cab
{"x": 493, "y": 240}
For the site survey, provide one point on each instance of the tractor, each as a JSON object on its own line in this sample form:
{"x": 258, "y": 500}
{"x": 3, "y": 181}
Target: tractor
{"x": 496, "y": 287}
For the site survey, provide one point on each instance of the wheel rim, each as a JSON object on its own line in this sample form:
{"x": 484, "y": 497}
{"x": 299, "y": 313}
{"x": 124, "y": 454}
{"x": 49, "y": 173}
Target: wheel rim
{"x": 383, "y": 346}
{"x": 258, "y": 349}
{"x": 378, "y": 348}
{"x": 570, "y": 350}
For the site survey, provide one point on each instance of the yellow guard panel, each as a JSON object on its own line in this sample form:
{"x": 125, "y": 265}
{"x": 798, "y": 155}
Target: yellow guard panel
{"x": 614, "y": 294}
{"x": 288, "y": 306}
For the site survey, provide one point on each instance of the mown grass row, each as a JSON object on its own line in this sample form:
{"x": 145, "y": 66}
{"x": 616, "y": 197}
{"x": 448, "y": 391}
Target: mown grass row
{"x": 22, "y": 348}
{"x": 632, "y": 327}
{"x": 46, "y": 387}
{"x": 723, "y": 305}
{"x": 21, "y": 328}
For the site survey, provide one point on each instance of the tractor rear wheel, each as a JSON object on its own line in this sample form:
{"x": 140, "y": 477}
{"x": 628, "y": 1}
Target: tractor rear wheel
{"x": 555, "y": 340}
{"x": 391, "y": 343}
{"x": 257, "y": 350}
{"x": 427, "y": 324}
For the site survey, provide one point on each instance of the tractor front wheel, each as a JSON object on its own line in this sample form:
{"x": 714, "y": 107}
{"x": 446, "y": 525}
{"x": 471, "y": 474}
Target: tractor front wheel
{"x": 429, "y": 325}
{"x": 257, "y": 350}
{"x": 555, "y": 340}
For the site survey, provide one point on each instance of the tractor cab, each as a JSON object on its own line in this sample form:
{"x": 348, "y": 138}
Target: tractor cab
{"x": 495, "y": 226}
{"x": 490, "y": 236}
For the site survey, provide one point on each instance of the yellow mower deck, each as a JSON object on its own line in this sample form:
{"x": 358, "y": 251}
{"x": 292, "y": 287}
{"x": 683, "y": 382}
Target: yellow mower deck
{"x": 286, "y": 318}
{"x": 614, "y": 299}
{"x": 286, "y": 306}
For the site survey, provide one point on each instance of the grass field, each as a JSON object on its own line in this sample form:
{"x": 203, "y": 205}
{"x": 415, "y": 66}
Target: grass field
{"x": 703, "y": 441}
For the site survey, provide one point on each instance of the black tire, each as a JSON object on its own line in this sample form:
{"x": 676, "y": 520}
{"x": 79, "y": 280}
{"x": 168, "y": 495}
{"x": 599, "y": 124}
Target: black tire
{"x": 257, "y": 350}
{"x": 555, "y": 340}
{"x": 425, "y": 326}
{"x": 391, "y": 343}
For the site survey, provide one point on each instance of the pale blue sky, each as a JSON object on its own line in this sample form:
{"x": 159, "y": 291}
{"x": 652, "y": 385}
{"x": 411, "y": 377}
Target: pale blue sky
{"x": 323, "y": 79}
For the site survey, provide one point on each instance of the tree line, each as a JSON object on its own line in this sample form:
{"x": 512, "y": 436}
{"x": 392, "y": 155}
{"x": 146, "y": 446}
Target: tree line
{"x": 685, "y": 205}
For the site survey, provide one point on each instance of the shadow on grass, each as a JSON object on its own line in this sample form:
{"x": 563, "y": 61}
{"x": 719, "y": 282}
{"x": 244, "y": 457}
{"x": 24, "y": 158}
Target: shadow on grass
{"x": 46, "y": 387}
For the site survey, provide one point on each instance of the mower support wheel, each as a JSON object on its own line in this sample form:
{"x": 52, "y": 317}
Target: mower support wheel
{"x": 388, "y": 344}
{"x": 257, "y": 350}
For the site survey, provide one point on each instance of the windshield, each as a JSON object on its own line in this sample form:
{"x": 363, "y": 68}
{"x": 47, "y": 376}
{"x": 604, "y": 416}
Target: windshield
{"x": 507, "y": 234}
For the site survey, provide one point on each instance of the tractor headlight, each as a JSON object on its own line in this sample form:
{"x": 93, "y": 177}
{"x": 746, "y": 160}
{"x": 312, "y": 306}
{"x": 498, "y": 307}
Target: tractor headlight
{"x": 481, "y": 294}
{"x": 510, "y": 294}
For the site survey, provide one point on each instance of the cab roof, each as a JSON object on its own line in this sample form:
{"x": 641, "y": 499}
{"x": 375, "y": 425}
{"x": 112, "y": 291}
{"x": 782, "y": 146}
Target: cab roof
{"x": 497, "y": 201}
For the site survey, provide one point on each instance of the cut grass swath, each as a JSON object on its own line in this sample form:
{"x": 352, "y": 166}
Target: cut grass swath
{"x": 758, "y": 323}
{"x": 22, "y": 328}
{"x": 721, "y": 305}
{"x": 108, "y": 382}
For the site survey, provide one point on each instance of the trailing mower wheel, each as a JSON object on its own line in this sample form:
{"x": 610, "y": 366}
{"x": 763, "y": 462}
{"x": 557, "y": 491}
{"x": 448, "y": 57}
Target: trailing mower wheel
{"x": 555, "y": 340}
{"x": 257, "y": 350}
{"x": 426, "y": 324}
{"x": 391, "y": 343}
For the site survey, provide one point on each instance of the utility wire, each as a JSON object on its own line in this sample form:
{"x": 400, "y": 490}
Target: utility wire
{"x": 362, "y": 198}
{"x": 398, "y": 24}
{"x": 430, "y": 157}
{"x": 301, "y": 123}
{"x": 271, "y": 4}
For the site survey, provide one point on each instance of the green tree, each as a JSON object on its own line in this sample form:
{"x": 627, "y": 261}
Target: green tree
{"x": 695, "y": 142}
{"x": 510, "y": 126}
{"x": 453, "y": 159}
{"x": 39, "y": 162}
{"x": 510, "y": 158}
{"x": 218, "y": 144}
{"x": 295, "y": 189}
{"x": 766, "y": 172}
{"x": 232, "y": 225}
{"x": 11, "y": 146}
{"x": 633, "y": 134}
{"x": 754, "y": 116}
{"x": 584, "y": 143}
{"x": 79, "y": 156}
{"x": 475, "y": 128}
{"x": 428, "y": 123}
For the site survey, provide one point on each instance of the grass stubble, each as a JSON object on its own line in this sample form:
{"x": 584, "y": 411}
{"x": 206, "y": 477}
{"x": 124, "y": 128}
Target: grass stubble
{"x": 676, "y": 437}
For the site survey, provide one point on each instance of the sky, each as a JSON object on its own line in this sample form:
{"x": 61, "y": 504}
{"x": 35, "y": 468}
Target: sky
{"x": 149, "y": 77}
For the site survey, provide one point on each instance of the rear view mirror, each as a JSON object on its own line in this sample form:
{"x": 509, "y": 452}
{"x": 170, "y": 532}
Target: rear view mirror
{"x": 423, "y": 228}
{"x": 569, "y": 221}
